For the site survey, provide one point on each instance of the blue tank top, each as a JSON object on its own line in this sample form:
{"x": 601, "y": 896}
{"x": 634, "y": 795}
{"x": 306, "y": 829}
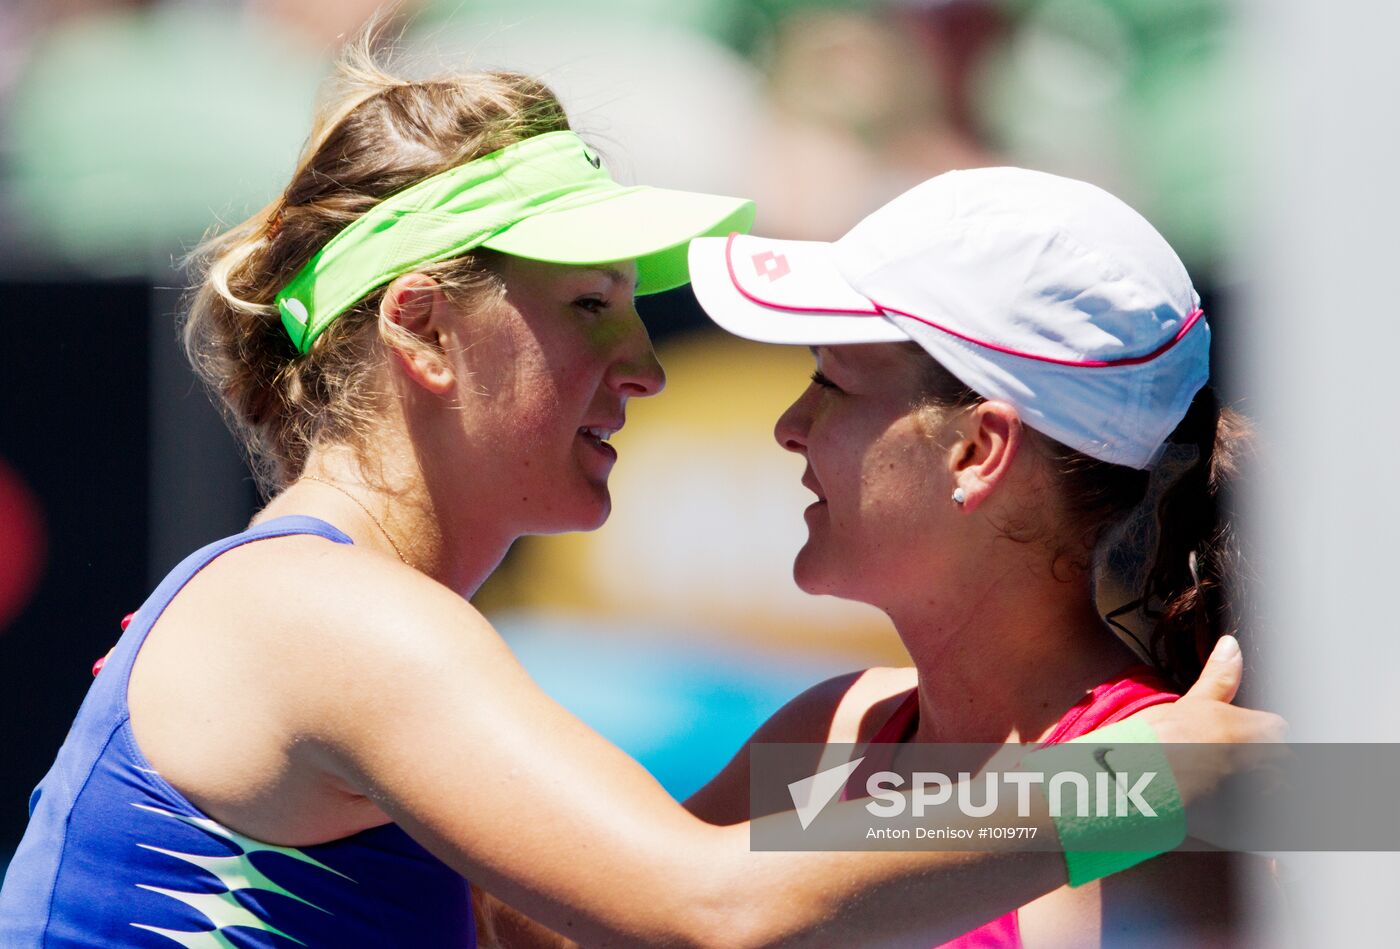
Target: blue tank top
{"x": 114, "y": 856}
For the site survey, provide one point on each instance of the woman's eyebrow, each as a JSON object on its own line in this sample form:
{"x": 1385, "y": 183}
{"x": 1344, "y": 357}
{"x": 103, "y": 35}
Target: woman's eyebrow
{"x": 615, "y": 275}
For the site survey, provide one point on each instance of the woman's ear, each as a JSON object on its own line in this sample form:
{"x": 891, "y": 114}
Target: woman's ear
{"x": 991, "y": 437}
{"x": 418, "y": 307}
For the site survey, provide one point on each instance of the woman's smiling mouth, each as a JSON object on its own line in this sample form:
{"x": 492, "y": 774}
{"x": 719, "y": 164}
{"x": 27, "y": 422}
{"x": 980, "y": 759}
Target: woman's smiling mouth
{"x": 596, "y": 437}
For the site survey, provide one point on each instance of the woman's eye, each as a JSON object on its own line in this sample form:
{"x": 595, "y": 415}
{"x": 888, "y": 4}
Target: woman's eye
{"x": 819, "y": 379}
{"x": 591, "y": 304}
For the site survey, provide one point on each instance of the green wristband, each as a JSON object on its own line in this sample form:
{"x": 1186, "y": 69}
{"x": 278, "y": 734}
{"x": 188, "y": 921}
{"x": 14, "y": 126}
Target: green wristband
{"x": 1123, "y": 768}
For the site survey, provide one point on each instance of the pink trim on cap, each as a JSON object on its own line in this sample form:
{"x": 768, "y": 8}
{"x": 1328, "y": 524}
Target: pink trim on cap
{"x": 1191, "y": 320}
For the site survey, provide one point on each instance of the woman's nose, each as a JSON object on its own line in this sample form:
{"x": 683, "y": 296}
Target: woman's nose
{"x": 793, "y": 424}
{"x": 637, "y": 373}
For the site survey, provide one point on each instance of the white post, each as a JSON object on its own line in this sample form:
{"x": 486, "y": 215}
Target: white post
{"x": 1322, "y": 366}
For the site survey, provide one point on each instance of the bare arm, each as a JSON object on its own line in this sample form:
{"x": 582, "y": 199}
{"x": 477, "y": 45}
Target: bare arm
{"x": 809, "y": 718}
{"x": 418, "y": 704}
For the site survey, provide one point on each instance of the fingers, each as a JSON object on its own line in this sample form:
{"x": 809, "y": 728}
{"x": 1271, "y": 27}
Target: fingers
{"x": 1220, "y": 679}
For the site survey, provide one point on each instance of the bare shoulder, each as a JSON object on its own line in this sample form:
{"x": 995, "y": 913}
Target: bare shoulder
{"x": 870, "y": 701}
{"x": 275, "y": 643}
{"x": 844, "y": 709}
{"x": 310, "y": 597}
{"x": 323, "y": 617}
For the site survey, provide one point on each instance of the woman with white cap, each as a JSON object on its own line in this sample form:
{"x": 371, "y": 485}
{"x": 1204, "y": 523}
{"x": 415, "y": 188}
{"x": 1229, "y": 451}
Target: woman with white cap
{"x": 1039, "y": 378}
{"x": 306, "y": 734}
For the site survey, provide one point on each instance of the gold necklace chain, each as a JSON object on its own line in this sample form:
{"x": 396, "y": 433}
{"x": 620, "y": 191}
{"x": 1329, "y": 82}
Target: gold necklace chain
{"x": 368, "y": 513}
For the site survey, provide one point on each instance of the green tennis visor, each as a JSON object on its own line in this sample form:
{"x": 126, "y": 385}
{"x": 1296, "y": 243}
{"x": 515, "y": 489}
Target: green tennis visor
{"x": 545, "y": 198}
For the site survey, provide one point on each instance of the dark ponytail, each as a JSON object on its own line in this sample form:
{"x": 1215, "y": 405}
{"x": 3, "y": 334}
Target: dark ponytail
{"x": 1164, "y": 533}
{"x": 1185, "y": 593}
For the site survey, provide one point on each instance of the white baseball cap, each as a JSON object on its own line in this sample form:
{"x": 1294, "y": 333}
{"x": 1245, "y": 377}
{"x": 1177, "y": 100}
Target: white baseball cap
{"x": 1041, "y": 291}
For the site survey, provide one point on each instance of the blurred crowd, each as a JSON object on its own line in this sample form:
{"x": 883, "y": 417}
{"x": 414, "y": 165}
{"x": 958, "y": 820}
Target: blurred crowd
{"x": 130, "y": 126}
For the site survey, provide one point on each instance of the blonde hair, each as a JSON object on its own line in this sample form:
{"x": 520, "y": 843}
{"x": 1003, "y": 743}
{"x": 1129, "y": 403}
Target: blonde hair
{"x": 374, "y": 134}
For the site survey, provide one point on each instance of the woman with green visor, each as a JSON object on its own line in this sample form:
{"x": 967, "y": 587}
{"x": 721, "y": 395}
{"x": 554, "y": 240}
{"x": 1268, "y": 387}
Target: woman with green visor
{"x": 306, "y": 735}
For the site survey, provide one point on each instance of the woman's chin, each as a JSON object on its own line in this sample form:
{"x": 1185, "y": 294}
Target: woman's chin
{"x": 809, "y": 574}
{"x": 595, "y": 512}
{"x": 587, "y": 512}
{"x": 600, "y": 515}
{"x": 819, "y": 576}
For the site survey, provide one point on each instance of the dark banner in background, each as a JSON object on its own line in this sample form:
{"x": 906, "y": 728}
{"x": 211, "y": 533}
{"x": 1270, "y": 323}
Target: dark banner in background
{"x": 75, "y": 434}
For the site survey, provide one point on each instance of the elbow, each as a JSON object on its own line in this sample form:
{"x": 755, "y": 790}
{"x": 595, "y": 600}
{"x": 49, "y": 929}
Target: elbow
{"x": 743, "y": 918}
{"x": 735, "y": 900}
{"x": 750, "y": 930}
{"x": 733, "y": 930}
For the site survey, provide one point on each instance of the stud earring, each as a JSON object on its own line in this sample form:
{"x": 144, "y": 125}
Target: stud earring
{"x": 959, "y": 496}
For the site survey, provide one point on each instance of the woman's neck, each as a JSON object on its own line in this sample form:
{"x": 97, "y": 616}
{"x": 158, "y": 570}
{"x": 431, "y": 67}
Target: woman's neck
{"x": 394, "y": 514}
{"x": 1006, "y": 655}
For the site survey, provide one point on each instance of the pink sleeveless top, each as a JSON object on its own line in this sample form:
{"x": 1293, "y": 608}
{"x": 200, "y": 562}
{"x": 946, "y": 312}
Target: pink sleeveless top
{"x": 1127, "y": 694}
